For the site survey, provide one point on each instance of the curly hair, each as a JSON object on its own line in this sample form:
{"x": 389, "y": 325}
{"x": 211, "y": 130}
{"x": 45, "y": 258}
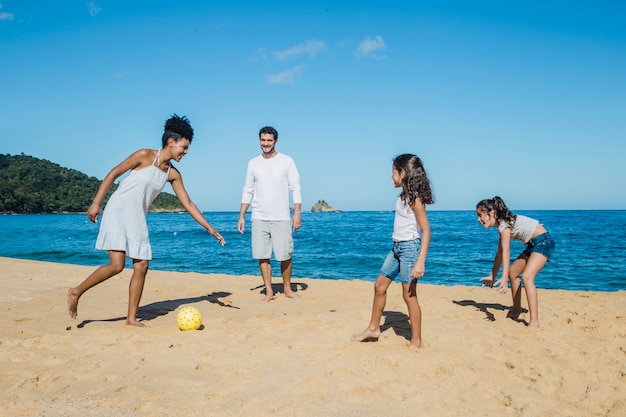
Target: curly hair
{"x": 415, "y": 183}
{"x": 177, "y": 127}
{"x": 497, "y": 205}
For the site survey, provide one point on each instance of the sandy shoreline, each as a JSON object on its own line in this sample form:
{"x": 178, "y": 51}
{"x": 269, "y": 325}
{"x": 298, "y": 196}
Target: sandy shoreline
{"x": 295, "y": 357}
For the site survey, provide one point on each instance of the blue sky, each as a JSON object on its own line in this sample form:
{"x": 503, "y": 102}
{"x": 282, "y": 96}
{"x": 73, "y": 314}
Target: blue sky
{"x": 522, "y": 99}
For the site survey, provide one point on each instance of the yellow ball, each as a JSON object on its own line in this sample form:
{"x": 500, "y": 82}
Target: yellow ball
{"x": 189, "y": 318}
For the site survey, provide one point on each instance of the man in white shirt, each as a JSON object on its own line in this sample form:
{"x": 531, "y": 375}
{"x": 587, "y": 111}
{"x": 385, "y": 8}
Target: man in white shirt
{"x": 269, "y": 179}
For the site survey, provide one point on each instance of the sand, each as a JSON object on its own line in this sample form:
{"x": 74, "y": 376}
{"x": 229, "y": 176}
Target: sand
{"x": 294, "y": 357}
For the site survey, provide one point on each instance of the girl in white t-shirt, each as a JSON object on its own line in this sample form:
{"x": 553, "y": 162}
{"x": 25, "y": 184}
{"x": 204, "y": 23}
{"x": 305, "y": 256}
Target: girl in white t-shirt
{"x": 407, "y": 257}
{"x": 539, "y": 249}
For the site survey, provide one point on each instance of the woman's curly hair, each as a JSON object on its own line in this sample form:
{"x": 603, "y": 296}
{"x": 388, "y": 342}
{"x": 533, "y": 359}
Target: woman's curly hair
{"x": 415, "y": 183}
{"x": 177, "y": 127}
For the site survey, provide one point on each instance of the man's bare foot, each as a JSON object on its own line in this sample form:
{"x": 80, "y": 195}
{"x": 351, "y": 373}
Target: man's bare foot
{"x": 268, "y": 297}
{"x": 291, "y": 294}
{"x": 532, "y": 326}
{"x": 134, "y": 323}
{"x": 72, "y": 303}
{"x": 366, "y": 335}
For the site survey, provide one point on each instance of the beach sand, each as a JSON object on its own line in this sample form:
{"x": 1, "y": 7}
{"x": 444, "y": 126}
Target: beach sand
{"x": 294, "y": 357}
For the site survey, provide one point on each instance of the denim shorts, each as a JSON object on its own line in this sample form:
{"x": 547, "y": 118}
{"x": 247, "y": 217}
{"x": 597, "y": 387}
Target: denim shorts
{"x": 400, "y": 260}
{"x": 542, "y": 244}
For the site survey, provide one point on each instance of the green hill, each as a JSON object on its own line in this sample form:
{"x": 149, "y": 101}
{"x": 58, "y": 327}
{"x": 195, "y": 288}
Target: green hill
{"x": 32, "y": 185}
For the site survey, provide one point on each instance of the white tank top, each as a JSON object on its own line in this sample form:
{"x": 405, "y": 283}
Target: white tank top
{"x": 405, "y": 225}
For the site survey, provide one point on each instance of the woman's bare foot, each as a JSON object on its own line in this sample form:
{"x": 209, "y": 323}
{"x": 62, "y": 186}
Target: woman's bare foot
{"x": 532, "y": 326}
{"x": 72, "y": 303}
{"x": 366, "y": 335}
{"x": 134, "y": 323}
{"x": 268, "y": 297}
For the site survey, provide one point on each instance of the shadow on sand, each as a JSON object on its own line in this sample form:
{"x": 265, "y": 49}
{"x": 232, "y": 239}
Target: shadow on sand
{"x": 278, "y": 288}
{"x": 485, "y": 307}
{"x": 397, "y": 321}
{"x": 162, "y": 308}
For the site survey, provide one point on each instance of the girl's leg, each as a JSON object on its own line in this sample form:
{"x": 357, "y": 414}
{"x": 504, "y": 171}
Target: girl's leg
{"x": 135, "y": 290}
{"x": 409, "y": 293}
{"x": 516, "y": 286}
{"x": 380, "y": 299}
{"x": 535, "y": 263}
{"x": 116, "y": 264}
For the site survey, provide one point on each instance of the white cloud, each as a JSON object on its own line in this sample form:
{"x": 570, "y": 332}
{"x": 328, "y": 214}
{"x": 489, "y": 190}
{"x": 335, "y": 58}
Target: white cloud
{"x": 260, "y": 55}
{"x": 5, "y": 15}
{"x": 343, "y": 44}
{"x": 121, "y": 74}
{"x": 371, "y": 47}
{"x": 310, "y": 47}
{"x": 93, "y": 8}
{"x": 285, "y": 77}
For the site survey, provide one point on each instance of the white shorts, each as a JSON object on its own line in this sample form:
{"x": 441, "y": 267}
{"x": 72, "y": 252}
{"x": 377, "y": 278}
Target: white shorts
{"x": 268, "y": 235}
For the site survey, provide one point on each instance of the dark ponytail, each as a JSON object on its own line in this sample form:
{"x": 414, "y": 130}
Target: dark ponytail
{"x": 502, "y": 211}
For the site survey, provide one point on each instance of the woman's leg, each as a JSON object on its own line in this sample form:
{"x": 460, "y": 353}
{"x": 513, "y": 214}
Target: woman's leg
{"x": 116, "y": 264}
{"x": 409, "y": 293}
{"x": 380, "y": 299}
{"x": 135, "y": 290}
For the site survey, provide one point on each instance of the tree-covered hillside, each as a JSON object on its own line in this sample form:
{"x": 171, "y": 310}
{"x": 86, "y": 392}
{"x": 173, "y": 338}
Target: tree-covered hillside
{"x": 32, "y": 185}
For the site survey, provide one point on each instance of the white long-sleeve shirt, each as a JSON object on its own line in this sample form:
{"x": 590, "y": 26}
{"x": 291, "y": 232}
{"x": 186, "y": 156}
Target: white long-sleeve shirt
{"x": 267, "y": 187}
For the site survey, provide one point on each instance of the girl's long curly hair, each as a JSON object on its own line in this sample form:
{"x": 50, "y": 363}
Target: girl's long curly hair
{"x": 415, "y": 184}
{"x": 502, "y": 211}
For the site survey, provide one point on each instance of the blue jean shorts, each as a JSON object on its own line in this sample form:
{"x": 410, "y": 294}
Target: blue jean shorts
{"x": 542, "y": 244}
{"x": 400, "y": 260}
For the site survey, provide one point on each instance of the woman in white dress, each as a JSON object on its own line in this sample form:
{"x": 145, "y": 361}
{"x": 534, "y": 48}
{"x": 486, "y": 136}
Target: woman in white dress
{"x": 123, "y": 229}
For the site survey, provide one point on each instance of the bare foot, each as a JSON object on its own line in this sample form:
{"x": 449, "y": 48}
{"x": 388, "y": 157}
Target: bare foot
{"x": 416, "y": 345}
{"x": 72, "y": 303}
{"x": 366, "y": 335}
{"x": 532, "y": 326}
{"x": 291, "y": 294}
{"x": 134, "y": 323}
{"x": 268, "y": 297}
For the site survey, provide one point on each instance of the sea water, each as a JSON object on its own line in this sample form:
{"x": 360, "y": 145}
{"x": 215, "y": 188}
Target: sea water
{"x": 590, "y": 249}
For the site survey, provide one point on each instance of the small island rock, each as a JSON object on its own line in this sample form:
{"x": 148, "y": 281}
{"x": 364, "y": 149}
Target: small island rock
{"x": 323, "y": 207}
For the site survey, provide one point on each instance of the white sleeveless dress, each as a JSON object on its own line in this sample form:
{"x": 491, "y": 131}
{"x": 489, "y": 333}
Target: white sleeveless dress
{"x": 124, "y": 226}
